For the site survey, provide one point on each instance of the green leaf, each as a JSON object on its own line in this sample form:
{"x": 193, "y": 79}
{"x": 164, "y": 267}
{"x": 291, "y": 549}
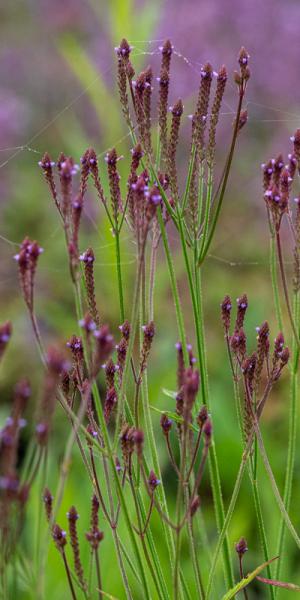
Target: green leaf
{"x": 244, "y": 582}
{"x": 174, "y": 417}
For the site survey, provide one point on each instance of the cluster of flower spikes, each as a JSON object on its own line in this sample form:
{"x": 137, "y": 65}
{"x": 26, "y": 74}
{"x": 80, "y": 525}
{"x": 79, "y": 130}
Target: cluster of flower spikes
{"x": 251, "y": 366}
{"x": 100, "y": 343}
{"x": 132, "y": 441}
{"x": 278, "y": 180}
{"x": 94, "y": 536}
{"x": 187, "y": 389}
{"x": 205, "y": 117}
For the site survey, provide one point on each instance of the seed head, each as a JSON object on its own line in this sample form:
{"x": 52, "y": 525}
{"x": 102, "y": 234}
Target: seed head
{"x": 242, "y": 305}
{"x": 207, "y": 430}
{"x": 202, "y": 416}
{"x": 59, "y": 537}
{"x": 138, "y": 438}
{"x": 110, "y": 402}
{"x": 226, "y": 307}
{"x": 241, "y": 547}
{"x": 153, "y": 482}
{"x": 268, "y": 170}
{"x": 48, "y": 501}
{"x": 5, "y": 335}
{"x": 166, "y": 424}
{"x": 149, "y": 331}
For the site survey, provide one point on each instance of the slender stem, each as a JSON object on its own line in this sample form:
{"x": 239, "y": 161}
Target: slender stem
{"x": 38, "y": 338}
{"x": 99, "y": 582}
{"x": 207, "y": 209}
{"x": 274, "y": 278}
{"x": 242, "y": 574}
{"x": 178, "y": 509}
{"x": 171, "y": 455}
{"x": 253, "y": 482}
{"x": 152, "y": 276}
{"x": 148, "y": 516}
{"x": 293, "y": 419}
{"x": 192, "y": 543}
{"x": 285, "y": 287}
{"x": 215, "y": 219}
{"x": 276, "y": 492}
{"x": 213, "y": 461}
{"x": 119, "y": 489}
{"x": 189, "y": 178}
{"x": 229, "y": 514}
{"x": 155, "y": 462}
{"x": 178, "y": 309}
{"x": 68, "y": 574}
{"x": 119, "y": 273}
{"x": 133, "y": 325}
{"x": 194, "y": 455}
{"x": 140, "y": 527}
{"x": 96, "y": 483}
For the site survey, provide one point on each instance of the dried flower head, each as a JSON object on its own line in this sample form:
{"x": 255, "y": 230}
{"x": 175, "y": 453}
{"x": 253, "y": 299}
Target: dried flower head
{"x": 48, "y": 503}
{"x": 242, "y": 305}
{"x": 166, "y": 424}
{"x": 148, "y": 334}
{"x": 110, "y": 403}
{"x": 215, "y": 113}
{"x": 226, "y": 307}
{"x": 27, "y": 260}
{"x": 88, "y": 259}
{"x": 202, "y": 415}
{"x": 5, "y": 335}
{"x": 73, "y": 516}
{"x": 59, "y": 537}
{"x": 176, "y": 111}
{"x": 241, "y": 547}
{"x": 153, "y": 481}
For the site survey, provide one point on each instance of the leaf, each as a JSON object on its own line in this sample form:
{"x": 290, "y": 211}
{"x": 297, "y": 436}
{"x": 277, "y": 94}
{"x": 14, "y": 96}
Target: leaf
{"x": 281, "y": 584}
{"x": 174, "y": 416}
{"x": 169, "y": 393}
{"x": 244, "y": 582}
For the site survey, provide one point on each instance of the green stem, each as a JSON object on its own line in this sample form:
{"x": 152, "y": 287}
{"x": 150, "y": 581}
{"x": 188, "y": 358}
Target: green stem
{"x": 178, "y": 309}
{"x": 215, "y": 219}
{"x": 274, "y": 279}
{"x": 189, "y": 178}
{"x": 119, "y": 274}
{"x": 253, "y": 481}
{"x": 285, "y": 286}
{"x": 133, "y": 326}
{"x": 228, "y": 517}
{"x": 293, "y": 418}
{"x": 195, "y": 561}
{"x": 207, "y": 209}
{"x": 120, "y": 490}
{"x": 213, "y": 463}
{"x": 145, "y": 550}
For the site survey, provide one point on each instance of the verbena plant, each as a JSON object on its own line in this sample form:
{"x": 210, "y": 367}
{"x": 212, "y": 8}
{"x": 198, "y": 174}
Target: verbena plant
{"x": 101, "y": 381}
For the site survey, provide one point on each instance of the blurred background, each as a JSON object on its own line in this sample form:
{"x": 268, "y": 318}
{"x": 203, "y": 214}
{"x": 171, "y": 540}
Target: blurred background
{"x": 58, "y": 93}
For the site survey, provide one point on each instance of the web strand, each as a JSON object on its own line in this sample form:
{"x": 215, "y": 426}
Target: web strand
{"x": 289, "y": 117}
